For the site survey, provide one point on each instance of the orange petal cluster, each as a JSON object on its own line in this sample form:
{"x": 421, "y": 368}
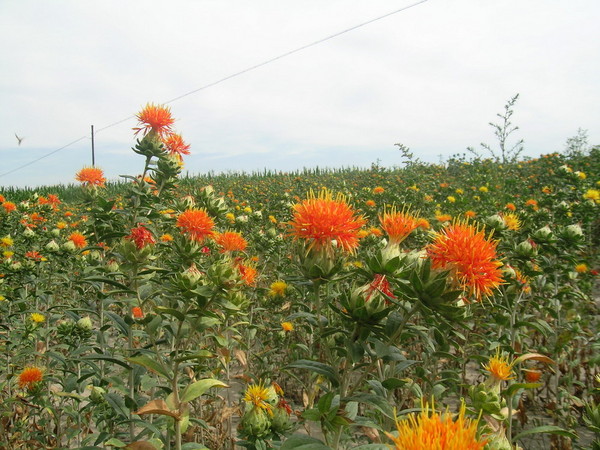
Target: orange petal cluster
{"x": 499, "y": 368}
{"x": 78, "y": 239}
{"x": 231, "y": 241}
{"x": 141, "y": 236}
{"x": 175, "y": 145}
{"x": 398, "y": 225}
{"x": 155, "y": 118}
{"x": 471, "y": 257}
{"x": 30, "y": 376}
{"x": 91, "y": 176}
{"x": 196, "y": 224}
{"x": 322, "y": 219}
{"x": 432, "y": 430}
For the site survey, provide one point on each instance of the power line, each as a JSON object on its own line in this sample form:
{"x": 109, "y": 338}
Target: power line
{"x": 229, "y": 77}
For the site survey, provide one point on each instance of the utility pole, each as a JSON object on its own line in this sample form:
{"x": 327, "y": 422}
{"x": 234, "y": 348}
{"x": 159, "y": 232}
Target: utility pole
{"x": 93, "y": 156}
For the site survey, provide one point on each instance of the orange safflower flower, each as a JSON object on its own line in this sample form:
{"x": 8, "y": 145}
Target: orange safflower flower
{"x": 322, "y": 219}
{"x": 30, "y": 376}
{"x": 378, "y": 190}
{"x": 2, "y": 198}
{"x": 247, "y": 272}
{"x": 374, "y": 231}
{"x": 469, "y": 255}
{"x": 370, "y": 203}
{"x": 78, "y": 239}
{"x": 231, "y": 241}
{"x": 155, "y": 118}
{"x": 532, "y": 375}
{"x": 398, "y": 225}
{"x": 287, "y": 326}
{"x": 196, "y": 223}
{"x": 175, "y": 145}
{"x": 137, "y": 312}
{"x": 443, "y": 217}
{"x": 423, "y": 223}
{"x": 432, "y": 430}
{"x": 141, "y": 236}
{"x": 53, "y": 200}
{"x": 166, "y": 237}
{"x": 470, "y": 214}
{"x": 499, "y": 368}
{"x": 91, "y": 176}
{"x": 531, "y": 202}
{"x": 9, "y": 206}
{"x": 510, "y": 206}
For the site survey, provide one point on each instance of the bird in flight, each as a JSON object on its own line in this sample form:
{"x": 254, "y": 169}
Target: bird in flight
{"x": 20, "y": 139}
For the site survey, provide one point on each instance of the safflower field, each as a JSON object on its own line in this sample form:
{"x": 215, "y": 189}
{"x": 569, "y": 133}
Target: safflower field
{"x": 433, "y": 306}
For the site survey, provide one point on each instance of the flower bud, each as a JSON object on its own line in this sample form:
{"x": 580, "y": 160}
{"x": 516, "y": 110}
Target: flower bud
{"x": 52, "y": 246}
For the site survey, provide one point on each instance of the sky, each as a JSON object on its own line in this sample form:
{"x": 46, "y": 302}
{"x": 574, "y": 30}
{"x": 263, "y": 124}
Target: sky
{"x": 431, "y": 77}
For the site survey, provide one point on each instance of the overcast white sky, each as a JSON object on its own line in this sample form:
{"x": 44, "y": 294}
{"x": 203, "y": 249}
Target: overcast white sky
{"x": 430, "y": 77}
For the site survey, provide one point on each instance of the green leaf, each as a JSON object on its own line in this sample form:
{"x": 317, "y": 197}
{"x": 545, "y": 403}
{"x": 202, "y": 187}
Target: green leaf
{"x": 551, "y": 429}
{"x": 515, "y": 387}
{"x": 111, "y": 359}
{"x": 371, "y": 447}
{"x": 119, "y": 322}
{"x": 198, "y": 388}
{"x": 193, "y": 446}
{"x": 114, "y": 442}
{"x": 317, "y": 367}
{"x": 108, "y": 281}
{"x": 376, "y": 401}
{"x": 150, "y": 364}
{"x": 302, "y": 442}
{"x": 393, "y": 383}
{"x": 171, "y": 312}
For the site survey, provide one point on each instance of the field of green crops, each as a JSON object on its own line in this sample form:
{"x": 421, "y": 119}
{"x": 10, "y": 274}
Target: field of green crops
{"x": 357, "y": 308}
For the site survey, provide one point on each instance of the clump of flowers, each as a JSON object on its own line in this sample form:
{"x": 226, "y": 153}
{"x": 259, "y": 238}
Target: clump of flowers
{"x": 470, "y": 256}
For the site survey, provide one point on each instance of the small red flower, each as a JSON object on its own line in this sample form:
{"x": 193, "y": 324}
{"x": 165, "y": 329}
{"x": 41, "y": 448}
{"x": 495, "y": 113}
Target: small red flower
{"x": 141, "y": 236}
{"x": 137, "y": 312}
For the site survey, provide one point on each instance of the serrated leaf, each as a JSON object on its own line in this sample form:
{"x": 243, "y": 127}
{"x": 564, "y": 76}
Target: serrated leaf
{"x": 199, "y": 387}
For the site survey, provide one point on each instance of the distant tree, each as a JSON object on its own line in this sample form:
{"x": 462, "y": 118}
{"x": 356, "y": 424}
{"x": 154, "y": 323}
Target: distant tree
{"x": 577, "y": 145}
{"x": 502, "y": 131}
